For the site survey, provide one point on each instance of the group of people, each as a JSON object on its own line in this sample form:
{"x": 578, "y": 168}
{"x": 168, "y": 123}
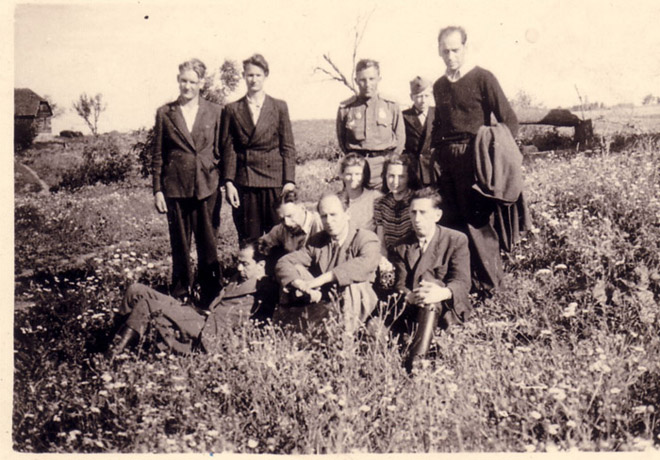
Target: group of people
{"x": 430, "y": 196}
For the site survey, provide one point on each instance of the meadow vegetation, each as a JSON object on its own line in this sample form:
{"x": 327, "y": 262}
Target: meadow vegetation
{"x": 566, "y": 357}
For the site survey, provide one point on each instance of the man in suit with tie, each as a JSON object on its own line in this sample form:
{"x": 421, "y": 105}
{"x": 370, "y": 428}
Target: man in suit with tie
{"x": 432, "y": 270}
{"x": 340, "y": 256}
{"x": 418, "y": 122}
{"x": 185, "y": 168}
{"x": 259, "y": 153}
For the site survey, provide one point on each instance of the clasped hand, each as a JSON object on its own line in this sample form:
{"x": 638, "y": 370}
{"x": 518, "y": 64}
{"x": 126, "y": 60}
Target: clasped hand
{"x": 303, "y": 287}
{"x": 428, "y": 293}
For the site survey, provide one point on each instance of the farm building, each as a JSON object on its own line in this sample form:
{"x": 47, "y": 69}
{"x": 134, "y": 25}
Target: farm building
{"x": 28, "y": 105}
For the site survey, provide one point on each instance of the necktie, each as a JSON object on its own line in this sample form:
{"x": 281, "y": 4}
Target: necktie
{"x": 422, "y": 118}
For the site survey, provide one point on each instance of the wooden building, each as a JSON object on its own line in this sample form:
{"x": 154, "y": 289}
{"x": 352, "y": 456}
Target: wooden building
{"x": 29, "y": 106}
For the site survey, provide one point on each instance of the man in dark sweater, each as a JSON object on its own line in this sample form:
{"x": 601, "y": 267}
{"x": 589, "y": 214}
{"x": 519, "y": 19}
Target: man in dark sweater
{"x": 465, "y": 98}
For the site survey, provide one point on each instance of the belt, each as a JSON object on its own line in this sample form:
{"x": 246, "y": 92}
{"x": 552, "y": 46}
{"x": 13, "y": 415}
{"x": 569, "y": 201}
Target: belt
{"x": 374, "y": 153}
{"x": 460, "y": 138}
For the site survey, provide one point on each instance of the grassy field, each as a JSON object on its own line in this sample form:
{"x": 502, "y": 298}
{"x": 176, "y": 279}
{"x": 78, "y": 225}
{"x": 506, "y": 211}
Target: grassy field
{"x": 565, "y": 358}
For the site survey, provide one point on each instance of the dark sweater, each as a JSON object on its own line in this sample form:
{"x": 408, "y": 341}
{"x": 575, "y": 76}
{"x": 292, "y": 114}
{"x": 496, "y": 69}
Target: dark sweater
{"x": 465, "y": 105}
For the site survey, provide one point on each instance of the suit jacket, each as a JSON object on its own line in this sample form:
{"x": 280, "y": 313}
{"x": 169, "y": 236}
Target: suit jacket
{"x": 356, "y": 263}
{"x": 186, "y": 164}
{"x": 445, "y": 262}
{"x": 418, "y": 142}
{"x": 258, "y": 156}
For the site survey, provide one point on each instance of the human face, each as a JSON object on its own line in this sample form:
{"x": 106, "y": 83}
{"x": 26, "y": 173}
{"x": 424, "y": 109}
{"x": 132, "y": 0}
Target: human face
{"x": 292, "y": 215}
{"x": 254, "y": 78}
{"x": 333, "y": 216}
{"x": 424, "y": 217}
{"x": 367, "y": 81}
{"x": 397, "y": 179}
{"x": 246, "y": 265}
{"x": 353, "y": 177}
{"x": 452, "y": 51}
{"x": 422, "y": 101}
{"x": 189, "y": 84}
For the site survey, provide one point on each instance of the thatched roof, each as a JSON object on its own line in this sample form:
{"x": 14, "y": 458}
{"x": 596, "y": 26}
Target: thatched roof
{"x": 27, "y": 103}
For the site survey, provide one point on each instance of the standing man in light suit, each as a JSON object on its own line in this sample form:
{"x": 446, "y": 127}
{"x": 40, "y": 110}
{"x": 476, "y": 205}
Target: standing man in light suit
{"x": 185, "y": 169}
{"x": 259, "y": 153}
{"x": 370, "y": 124}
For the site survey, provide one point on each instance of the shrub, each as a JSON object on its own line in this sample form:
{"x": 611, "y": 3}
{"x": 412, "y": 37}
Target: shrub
{"x": 70, "y": 134}
{"x": 102, "y": 162}
{"x": 24, "y": 134}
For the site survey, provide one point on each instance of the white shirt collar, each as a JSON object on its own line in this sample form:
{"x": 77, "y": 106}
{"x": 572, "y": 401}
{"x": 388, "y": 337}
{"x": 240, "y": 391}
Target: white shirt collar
{"x": 425, "y": 244}
{"x": 461, "y": 72}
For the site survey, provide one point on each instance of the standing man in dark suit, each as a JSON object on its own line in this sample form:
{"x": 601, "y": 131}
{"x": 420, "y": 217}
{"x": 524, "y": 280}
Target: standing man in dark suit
{"x": 418, "y": 121}
{"x": 185, "y": 168}
{"x": 259, "y": 153}
{"x": 465, "y": 99}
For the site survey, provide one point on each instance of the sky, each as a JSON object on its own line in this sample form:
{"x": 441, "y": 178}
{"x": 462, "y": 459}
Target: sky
{"x": 129, "y": 51}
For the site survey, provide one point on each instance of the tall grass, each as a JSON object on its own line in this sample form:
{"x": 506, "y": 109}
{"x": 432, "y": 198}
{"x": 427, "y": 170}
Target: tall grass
{"x": 565, "y": 357}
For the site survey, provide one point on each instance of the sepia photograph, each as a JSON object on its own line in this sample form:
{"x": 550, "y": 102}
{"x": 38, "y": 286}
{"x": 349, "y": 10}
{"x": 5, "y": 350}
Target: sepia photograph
{"x": 333, "y": 227}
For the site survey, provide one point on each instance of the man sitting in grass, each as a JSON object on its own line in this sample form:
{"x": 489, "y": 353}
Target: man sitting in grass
{"x": 182, "y": 327}
{"x": 432, "y": 270}
{"x": 340, "y": 256}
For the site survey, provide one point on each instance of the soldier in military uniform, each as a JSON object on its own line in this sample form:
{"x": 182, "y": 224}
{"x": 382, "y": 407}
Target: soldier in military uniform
{"x": 370, "y": 124}
{"x": 418, "y": 121}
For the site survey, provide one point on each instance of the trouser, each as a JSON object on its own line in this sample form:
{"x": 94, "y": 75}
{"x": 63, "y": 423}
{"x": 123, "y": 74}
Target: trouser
{"x": 468, "y": 211}
{"x": 356, "y": 300}
{"x": 187, "y": 217}
{"x": 257, "y": 213}
{"x": 179, "y": 326}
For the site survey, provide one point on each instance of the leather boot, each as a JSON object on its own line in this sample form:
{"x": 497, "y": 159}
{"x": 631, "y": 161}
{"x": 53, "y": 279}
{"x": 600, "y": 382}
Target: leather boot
{"x": 427, "y": 319}
{"x": 124, "y": 338}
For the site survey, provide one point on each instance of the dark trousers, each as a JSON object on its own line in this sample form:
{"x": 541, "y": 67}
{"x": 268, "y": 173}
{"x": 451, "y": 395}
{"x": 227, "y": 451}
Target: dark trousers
{"x": 257, "y": 213}
{"x": 468, "y": 211}
{"x": 187, "y": 217}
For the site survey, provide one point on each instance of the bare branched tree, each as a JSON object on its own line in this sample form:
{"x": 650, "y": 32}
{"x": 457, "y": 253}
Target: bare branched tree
{"x": 332, "y": 70}
{"x": 90, "y": 109}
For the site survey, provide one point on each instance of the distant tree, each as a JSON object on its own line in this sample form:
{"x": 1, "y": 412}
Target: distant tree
{"x": 330, "y": 67}
{"x": 90, "y": 109}
{"x": 217, "y": 87}
{"x": 522, "y": 100}
{"x": 650, "y": 99}
{"x": 24, "y": 134}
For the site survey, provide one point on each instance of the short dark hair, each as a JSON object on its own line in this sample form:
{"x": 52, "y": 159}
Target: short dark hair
{"x": 428, "y": 193}
{"x": 257, "y": 60}
{"x": 366, "y": 63}
{"x": 290, "y": 196}
{"x": 195, "y": 65}
{"x": 408, "y": 164}
{"x": 254, "y": 244}
{"x": 355, "y": 159}
{"x": 451, "y": 29}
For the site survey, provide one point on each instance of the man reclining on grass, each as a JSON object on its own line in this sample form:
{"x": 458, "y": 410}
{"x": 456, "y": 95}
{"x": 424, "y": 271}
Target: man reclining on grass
{"x": 432, "y": 270}
{"x": 182, "y": 327}
{"x": 340, "y": 256}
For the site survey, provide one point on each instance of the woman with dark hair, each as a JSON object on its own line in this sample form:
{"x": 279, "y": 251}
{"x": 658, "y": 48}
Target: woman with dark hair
{"x": 259, "y": 153}
{"x": 186, "y": 177}
{"x": 391, "y": 211}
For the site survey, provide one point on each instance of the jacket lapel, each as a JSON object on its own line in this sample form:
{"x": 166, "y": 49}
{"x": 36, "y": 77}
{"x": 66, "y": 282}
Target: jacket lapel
{"x": 428, "y": 126}
{"x": 176, "y": 116}
{"x": 428, "y": 258}
{"x": 199, "y": 123}
{"x": 244, "y": 118}
{"x": 266, "y": 116}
